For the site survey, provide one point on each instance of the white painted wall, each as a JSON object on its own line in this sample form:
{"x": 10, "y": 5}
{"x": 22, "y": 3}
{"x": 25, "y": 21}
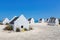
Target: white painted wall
{"x": 42, "y": 20}
{"x": 32, "y": 21}
{"x": 57, "y": 22}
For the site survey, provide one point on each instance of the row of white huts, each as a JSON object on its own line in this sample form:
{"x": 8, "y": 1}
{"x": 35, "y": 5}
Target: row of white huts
{"x": 21, "y": 22}
{"x": 18, "y": 22}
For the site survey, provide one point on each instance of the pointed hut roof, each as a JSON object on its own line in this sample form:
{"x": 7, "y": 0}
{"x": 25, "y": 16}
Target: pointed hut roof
{"x": 21, "y": 18}
{"x": 30, "y": 19}
{"x": 6, "y": 20}
{"x": 13, "y": 19}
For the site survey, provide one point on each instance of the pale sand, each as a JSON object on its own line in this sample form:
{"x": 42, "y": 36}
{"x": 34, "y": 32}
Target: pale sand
{"x": 2, "y": 27}
{"x": 39, "y": 33}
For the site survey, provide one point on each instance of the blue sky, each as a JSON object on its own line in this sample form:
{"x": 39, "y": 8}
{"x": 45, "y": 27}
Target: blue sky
{"x": 30, "y": 8}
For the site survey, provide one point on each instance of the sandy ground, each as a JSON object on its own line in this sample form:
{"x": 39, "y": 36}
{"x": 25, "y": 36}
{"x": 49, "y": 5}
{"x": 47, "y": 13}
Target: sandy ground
{"x": 2, "y": 27}
{"x": 39, "y": 33}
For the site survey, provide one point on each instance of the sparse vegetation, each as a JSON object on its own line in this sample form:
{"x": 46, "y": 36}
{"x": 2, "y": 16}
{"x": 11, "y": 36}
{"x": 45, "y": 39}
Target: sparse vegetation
{"x": 30, "y": 28}
{"x": 17, "y": 30}
{"x": 9, "y": 28}
{"x": 25, "y": 29}
{"x": 7, "y": 23}
{"x": 1, "y": 23}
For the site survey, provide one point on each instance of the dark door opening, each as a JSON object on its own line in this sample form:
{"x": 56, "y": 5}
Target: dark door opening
{"x": 59, "y": 21}
{"x": 22, "y": 26}
{"x": 17, "y": 30}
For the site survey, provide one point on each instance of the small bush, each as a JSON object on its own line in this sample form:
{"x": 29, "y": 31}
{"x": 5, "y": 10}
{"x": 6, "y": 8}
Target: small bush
{"x": 9, "y": 28}
{"x": 1, "y": 23}
{"x": 17, "y": 30}
{"x": 7, "y": 23}
{"x": 25, "y": 29}
{"x": 30, "y": 28}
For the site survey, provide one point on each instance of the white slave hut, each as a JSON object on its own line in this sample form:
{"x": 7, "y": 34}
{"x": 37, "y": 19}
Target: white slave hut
{"x": 31, "y": 20}
{"x": 5, "y": 21}
{"x": 21, "y": 23}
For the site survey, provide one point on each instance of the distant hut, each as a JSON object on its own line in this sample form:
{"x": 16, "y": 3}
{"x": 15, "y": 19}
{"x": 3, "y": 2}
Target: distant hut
{"x": 52, "y": 21}
{"x": 57, "y": 21}
{"x": 13, "y": 19}
{"x": 41, "y": 20}
{"x": 46, "y": 20}
{"x": 21, "y": 22}
{"x": 5, "y": 21}
{"x": 31, "y": 20}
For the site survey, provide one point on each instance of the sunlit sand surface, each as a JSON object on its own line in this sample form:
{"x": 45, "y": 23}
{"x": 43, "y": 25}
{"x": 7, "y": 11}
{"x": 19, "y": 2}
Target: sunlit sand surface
{"x": 39, "y": 33}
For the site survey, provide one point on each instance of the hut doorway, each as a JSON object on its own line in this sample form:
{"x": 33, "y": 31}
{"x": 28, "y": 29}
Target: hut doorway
{"x": 21, "y": 26}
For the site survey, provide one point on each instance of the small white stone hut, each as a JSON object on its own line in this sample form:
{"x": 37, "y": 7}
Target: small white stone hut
{"x": 6, "y": 20}
{"x": 57, "y": 21}
{"x": 31, "y": 20}
{"x": 21, "y": 22}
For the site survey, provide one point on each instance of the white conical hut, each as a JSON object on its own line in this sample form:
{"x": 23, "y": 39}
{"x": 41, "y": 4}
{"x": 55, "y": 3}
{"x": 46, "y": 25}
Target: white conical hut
{"x": 31, "y": 20}
{"x": 57, "y": 21}
{"x": 42, "y": 20}
{"x": 21, "y": 22}
{"x": 6, "y": 20}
